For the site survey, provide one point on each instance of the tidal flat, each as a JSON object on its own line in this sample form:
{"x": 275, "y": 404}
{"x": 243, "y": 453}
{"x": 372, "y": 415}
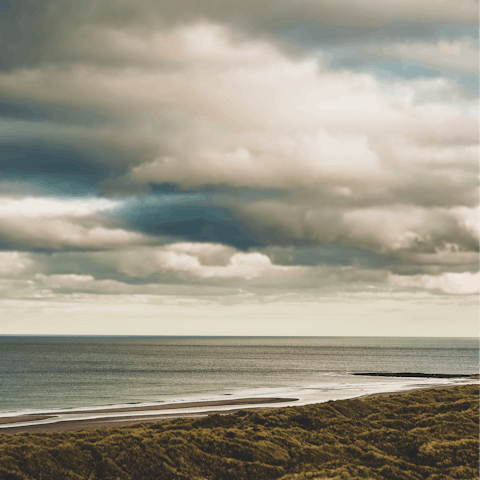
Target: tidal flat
{"x": 426, "y": 434}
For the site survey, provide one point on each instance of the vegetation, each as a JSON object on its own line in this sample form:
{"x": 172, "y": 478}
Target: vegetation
{"x": 422, "y": 435}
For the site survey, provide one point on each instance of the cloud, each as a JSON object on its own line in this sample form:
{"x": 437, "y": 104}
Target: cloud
{"x": 58, "y": 234}
{"x": 198, "y": 267}
{"x": 188, "y": 217}
{"x": 14, "y": 263}
{"x": 245, "y": 266}
{"x": 294, "y": 166}
{"x": 34, "y": 207}
{"x": 256, "y": 19}
{"x": 453, "y": 283}
{"x": 386, "y": 162}
{"x": 56, "y": 224}
{"x": 457, "y": 54}
{"x": 193, "y": 261}
{"x": 379, "y": 229}
{"x": 85, "y": 284}
{"x": 51, "y": 160}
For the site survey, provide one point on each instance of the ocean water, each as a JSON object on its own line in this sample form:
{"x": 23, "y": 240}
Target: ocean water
{"x": 40, "y": 374}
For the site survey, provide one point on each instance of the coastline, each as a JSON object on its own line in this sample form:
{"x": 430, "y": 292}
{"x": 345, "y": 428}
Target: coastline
{"x": 428, "y": 433}
{"x": 410, "y": 390}
{"x": 64, "y": 424}
{"x": 72, "y": 425}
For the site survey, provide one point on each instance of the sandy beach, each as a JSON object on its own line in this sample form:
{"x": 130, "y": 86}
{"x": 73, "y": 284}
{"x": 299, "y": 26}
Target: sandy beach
{"x": 69, "y": 425}
{"x": 66, "y": 424}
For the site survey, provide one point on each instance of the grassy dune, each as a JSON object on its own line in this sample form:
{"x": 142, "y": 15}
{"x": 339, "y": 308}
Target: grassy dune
{"x": 426, "y": 434}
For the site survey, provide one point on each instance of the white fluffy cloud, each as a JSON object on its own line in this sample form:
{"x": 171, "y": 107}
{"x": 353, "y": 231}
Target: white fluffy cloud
{"x": 59, "y": 234}
{"x": 56, "y": 224}
{"x": 200, "y": 261}
{"x": 34, "y": 207}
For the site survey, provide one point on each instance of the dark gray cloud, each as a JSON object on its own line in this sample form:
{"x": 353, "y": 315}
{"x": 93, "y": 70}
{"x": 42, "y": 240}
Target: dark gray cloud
{"x": 36, "y": 156}
{"x": 316, "y": 35}
{"x": 52, "y": 31}
{"x": 54, "y": 166}
{"x": 24, "y": 32}
{"x": 38, "y": 112}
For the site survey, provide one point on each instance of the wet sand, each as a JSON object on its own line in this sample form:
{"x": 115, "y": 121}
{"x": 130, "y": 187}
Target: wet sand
{"x": 172, "y": 406}
{"x": 23, "y": 418}
{"x": 111, "y": 421}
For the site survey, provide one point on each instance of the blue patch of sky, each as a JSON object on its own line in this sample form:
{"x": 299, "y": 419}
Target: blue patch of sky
{"x": 187, "y": 217}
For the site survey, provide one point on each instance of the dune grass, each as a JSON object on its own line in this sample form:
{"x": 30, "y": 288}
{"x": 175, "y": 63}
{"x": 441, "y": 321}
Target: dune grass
{"x": 429, "y": 434}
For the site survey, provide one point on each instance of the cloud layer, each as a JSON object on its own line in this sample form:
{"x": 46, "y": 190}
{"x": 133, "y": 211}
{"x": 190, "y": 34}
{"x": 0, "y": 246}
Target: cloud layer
{"x": 263, "y": 147}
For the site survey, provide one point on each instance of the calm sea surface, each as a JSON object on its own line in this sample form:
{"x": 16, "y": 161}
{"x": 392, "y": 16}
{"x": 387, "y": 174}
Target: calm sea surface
{"x": 42, "y": 373}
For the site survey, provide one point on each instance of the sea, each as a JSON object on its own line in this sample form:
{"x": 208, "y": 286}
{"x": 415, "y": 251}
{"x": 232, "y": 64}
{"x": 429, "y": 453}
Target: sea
{"x": 42, "y": 374}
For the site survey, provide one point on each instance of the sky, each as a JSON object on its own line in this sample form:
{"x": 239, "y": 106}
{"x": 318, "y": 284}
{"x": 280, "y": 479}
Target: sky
{"x": 267, "y": 167}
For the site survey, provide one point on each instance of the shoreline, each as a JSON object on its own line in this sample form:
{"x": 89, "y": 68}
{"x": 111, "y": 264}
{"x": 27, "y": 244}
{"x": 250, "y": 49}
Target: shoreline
{"x": 410, "y": 390}
{"x": 177, "y": 405}
{"x": 430, "y": 433}
{"x": 66, "y": 425}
